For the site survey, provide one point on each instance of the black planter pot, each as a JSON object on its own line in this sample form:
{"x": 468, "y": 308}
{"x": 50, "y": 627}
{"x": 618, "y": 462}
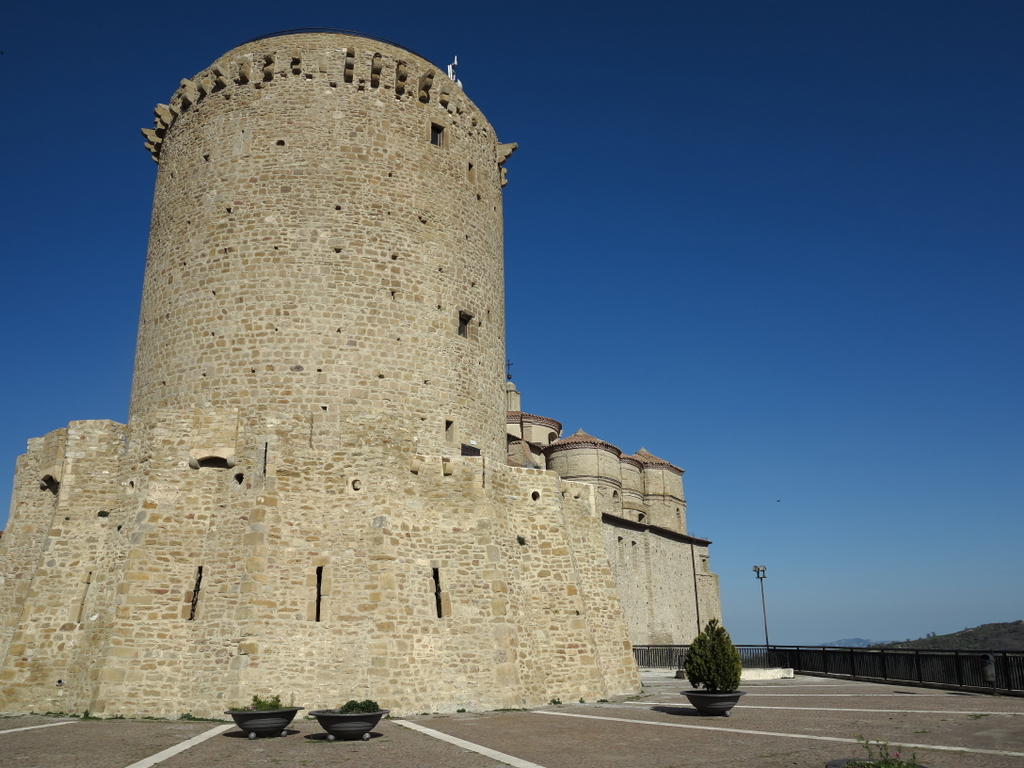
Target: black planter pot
{"x": 270, "y": 722}
{"x": 348, "y": 726}
{"x": 708, "y": 703}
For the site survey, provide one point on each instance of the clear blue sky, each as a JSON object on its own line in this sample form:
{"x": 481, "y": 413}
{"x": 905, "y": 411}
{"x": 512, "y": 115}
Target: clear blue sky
{"x": 777, "y": 243}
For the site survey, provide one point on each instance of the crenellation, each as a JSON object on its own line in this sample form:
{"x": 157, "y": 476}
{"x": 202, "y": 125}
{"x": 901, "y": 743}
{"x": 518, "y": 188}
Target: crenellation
{"x": 188, "y": 94}
{"x": 350, "y": 64}
{"x": 426, "y": 83}
{"x": 376, "y": 68}
{"x": 244, "y": 73}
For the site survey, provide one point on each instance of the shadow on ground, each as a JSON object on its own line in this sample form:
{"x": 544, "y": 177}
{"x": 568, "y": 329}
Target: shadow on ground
{"x": 323, "y": 737}
{"x": 679, "y": 711}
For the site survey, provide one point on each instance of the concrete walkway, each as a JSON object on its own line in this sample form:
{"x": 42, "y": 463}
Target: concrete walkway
{"x": 795, "y": 723}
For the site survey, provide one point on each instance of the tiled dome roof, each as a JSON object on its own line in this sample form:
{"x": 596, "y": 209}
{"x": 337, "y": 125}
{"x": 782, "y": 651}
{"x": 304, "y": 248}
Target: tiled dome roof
{"x": 516, "y": 417}
{"x": 649, "y": 461}
{"x": 582, "y": 440}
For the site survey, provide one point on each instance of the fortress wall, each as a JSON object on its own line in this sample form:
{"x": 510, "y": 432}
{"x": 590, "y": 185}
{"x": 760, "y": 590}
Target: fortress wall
{"x": 627, "y": 554}
{"x": 604, "y": 610}
{"x": 33, "y": 506}
{"x": 671, "y": 592}
{"x": 656, "y": 585}
{"x": 707, "y": 588}
{"x": 63, "y": 611}
{"x": 520, "y": 624}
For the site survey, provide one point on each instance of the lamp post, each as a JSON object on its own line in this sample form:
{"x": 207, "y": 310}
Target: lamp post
{"x": 759, "y": 571}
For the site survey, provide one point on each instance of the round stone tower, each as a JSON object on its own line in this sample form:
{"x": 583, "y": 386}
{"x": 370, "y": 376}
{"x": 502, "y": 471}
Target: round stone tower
{"x": 327, "y": 236}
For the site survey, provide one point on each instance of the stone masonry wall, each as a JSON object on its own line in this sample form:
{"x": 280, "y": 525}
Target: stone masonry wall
{"x": 53, "y": 604}
{"x": 33, "y": 507}
{"x": 520, "y": 624}
{"x": 661, "y": 589}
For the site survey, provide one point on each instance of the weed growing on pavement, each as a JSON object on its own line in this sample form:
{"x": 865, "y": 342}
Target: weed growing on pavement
{"x": 189, "y": 716}
{"x": 880, "y": 757}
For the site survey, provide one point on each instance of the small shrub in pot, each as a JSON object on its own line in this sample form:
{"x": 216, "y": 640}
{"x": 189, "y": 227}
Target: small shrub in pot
{"x": 712, "y": 662}
{"x": 352, "y": 720}
{"x": 351, "y": 706}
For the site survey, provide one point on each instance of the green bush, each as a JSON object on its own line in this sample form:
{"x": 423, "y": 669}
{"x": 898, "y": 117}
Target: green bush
{"x": 352, "y": 706}
{"x": 261, "y": 705}
{"x": 713, "y": 661}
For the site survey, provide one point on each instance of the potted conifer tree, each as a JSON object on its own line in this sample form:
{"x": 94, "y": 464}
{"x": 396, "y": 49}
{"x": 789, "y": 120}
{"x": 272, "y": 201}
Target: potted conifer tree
{"x": 713, "y": 664}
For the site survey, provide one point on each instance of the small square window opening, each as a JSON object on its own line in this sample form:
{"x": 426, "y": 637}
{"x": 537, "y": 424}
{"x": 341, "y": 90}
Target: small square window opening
{"x": 464, "y": 320}
{"x": 437, "y": 135}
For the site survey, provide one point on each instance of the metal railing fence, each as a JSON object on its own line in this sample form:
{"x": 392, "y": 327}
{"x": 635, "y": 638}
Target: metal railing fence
{"x": 659, "y": 656}
{"x": 956, "y": 669}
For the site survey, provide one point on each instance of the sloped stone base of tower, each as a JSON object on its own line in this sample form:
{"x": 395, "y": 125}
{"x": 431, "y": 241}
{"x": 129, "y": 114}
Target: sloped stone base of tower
{"x": 210, "y": 555}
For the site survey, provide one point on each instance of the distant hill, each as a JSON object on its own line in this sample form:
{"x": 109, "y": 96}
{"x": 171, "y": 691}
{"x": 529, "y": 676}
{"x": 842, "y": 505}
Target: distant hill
{"x": 853, "y": 642}
{"x": 1006, "y": 636}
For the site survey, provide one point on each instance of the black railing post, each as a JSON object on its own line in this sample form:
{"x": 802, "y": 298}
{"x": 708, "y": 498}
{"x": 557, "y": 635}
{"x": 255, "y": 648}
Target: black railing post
{"x": 959, "y": 672}
{"x": 917, "y": 666}
{"x": 853, "y": 663}
{"x": 885, "y": 665}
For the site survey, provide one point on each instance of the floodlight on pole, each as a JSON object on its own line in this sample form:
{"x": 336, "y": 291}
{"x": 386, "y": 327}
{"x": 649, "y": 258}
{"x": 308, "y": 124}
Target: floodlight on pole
{"x": 759, "y": 571}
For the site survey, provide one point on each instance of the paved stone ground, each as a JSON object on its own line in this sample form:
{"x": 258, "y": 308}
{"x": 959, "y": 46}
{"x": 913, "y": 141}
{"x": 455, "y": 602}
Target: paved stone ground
{"x": 656, "y": 730}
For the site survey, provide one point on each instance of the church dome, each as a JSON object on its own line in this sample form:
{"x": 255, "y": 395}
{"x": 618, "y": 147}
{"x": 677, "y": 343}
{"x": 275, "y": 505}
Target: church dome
{"x": 581, "y": 439}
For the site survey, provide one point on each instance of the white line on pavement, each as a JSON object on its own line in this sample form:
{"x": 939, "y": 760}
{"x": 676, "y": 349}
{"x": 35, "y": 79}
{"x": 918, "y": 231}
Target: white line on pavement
{"x": 759, "y": 684}
{"x": 501, "y": 757}
{"x": 812, "y": 685}
{"x": 159, "y": 757}
{"x": 844, "y": 695}
{"x": 827, "y": 709}
{"x": 893, "y": 684}
{"x": 773, "y": 733}
{"x": 31, "y": 727}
